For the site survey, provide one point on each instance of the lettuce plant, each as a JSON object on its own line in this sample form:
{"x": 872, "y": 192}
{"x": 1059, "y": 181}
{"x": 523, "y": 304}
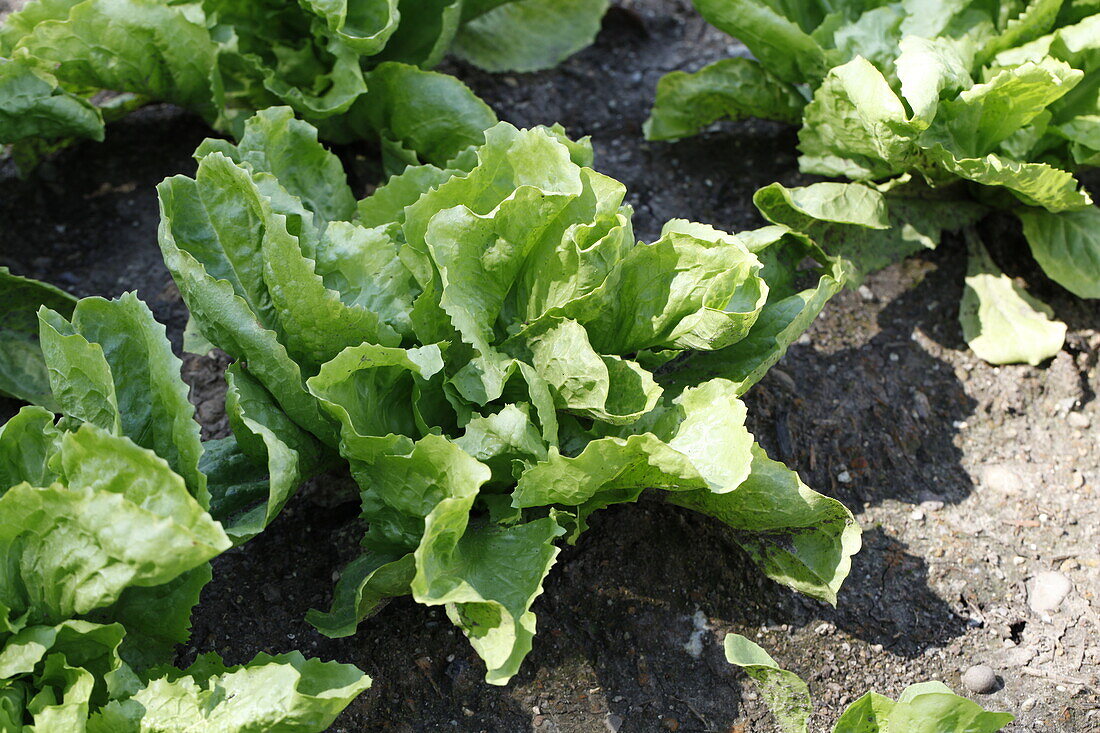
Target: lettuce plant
{"x": 926, "y": 707}
{"x": 478, "y": 341}
{"x": 105, "y": 543}
{"x": 940, "y": 112}
{"x": 352, "y": 67}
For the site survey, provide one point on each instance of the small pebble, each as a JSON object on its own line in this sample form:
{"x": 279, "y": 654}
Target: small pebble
{"x": 866, "y": 293}
{"x": 932, "y": 505}
{"x": 1028, "y": 705}
{"x": 1001, "y": 477}
{"x": 916, "y": 515}
{"x": 922, "y": 405}
{"x": 613, "y": 722}
{"x": 980, "y": 679}
{"x": 1078, "y": 420}
{"x": 844, "y": 477}
{"x": 1047, "y": 590}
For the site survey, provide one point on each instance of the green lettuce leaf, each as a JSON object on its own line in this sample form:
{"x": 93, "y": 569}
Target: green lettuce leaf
{"x": 364, "y": 25}
{"x": 785, "y": 694}
{"x": 270, "y": 458}
{"x": 157, "y": 618}
{"x": 781, "y": 44}
{"x": 149, "y": 48}
{"x": 113, "y": 357}
{"x": 1000, "y": 321}
{"x": 856, "y": 126}
{"x": 118, "y": 517}
{"x": 512, "y": 394}
{"x": 27, "y": 442}
{"x": 926, "y": 707}
{"x": 486, "y": 592}
{"x": 23, "y": 372}
{"x": 281, "y": 692}
{"x": 529, "y": 35}
{"x": 1066, "y": 246}
{"x": 733, "y": 89}
{"x": 863, "y": 227}
{"x": 34, "y": 104}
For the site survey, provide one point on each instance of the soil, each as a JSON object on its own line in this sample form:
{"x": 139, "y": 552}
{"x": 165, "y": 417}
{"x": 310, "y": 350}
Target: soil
{"x": 968, "y": 479}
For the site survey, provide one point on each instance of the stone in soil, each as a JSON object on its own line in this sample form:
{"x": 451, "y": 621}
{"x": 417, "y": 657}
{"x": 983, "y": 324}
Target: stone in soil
{"x": 1047, "y": 590}
{"x": 980, "y": 679}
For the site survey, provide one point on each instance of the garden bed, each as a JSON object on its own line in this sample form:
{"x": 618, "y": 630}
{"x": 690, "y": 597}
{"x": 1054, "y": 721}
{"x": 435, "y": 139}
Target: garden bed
{"x": 968, "y": 479}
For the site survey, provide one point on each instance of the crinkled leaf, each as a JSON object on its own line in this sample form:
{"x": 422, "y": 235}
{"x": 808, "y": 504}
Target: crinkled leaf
{"x": 856, "y": 126}
{"x": 157, "y": 618}
{"x": 606, "y": 388}
{"x": 1000, "y": 321}
{"x": 433, "y": 115}
{"x": 150, "y": 48}
{"x": 488, "y": 577}
{"x": 224, "y": 315}
{"x": 369, "y": 389}
{"x": 275, "y": 142}
{"x": 80, "y": 377}
{"x": 1037, "y": 184}
{"x": 364, "y": 584}
{"x": 27, "y": 441}
{"x": 34, "y": 104}
{"x": 697, "y": 441}
{"x": 797, "y": 536}
{"x": 780, "y": 44}
{"x": 151, "y": 398}
{"x": 278, "y": 457}
{"x": 973, "y": 123}
{"x": 928, "y": 68}
{"x": 733, "y": 89}
{"x": 286, "y": 692}
{"x": 120, "y": 518}
{"x": 783, "y": 319}
{"x": 861, "y": 226}
{"x": 363, "y": 25}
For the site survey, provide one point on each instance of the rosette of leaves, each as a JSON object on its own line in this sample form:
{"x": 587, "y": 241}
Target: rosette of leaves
{"x": 940, "y": 112}
{"x": 356, "y": 68}
{"x": 478, "y": 341}
{"x": 926, "y": 707}
{"x": 105, "y": 543}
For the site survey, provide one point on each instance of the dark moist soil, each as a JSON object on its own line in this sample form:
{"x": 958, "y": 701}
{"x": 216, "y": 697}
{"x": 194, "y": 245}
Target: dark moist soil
{"x": 968, "y": 479}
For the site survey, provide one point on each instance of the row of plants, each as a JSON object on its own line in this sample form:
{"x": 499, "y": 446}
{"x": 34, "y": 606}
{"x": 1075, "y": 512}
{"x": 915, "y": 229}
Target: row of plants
{"x": 941, "y": 114}
{"x": 356, "y": 69}
{"x": 481, "y": 342}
